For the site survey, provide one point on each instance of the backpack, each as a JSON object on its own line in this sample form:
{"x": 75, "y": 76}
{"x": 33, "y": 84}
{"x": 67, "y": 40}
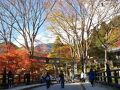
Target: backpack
{"x": 47, "y": 78}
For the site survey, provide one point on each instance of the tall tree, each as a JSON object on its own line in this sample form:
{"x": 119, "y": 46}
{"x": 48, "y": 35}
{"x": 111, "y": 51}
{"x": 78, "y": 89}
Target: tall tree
{"x": 28, "y": 17}
{"x": 107, "y": 35}
{"x": 76, "y": 18}
{"x": 57, "y": 44}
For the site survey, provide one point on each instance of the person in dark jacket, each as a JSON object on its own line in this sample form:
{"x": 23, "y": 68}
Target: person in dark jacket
{"x": 91, "y": 76}
{"x": 4, "y": 83}
{"x": 48, "y": 80}
{"x": 10, "y": 79}
{"x": 28, "y": 78}
{"x": 62, "y": 79}
{"x": 108, "y": 74}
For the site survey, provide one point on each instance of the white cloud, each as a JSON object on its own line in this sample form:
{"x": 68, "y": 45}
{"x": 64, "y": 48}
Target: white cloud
{"x": 46, "y": 37}
{"x": 19, "y": 40}
{"x": 43, "y": 37}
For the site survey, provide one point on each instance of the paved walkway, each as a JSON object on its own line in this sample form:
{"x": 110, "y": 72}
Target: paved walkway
{"x": 25, "y": 87}
{"x": 69, "y": 86}
{"x": 88, "y": 86}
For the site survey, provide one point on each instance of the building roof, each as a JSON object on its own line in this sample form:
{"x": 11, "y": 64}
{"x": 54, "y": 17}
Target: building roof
{"x": 117, "y": 43}
{"x": 117, "y": 48}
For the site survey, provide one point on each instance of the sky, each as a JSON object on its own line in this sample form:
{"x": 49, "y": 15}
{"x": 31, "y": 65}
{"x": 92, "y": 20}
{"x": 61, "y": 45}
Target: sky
{"x": 43, "y": 37}
{"x": 36, "y": 12}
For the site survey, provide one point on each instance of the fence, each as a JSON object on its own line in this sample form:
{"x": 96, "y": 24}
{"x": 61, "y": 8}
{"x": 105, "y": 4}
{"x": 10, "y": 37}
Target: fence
{"x": 18, "y": 80}
{"x": 111, "y": 77}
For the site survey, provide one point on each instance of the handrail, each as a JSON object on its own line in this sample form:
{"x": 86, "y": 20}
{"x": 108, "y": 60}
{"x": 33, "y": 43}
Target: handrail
{"x": 112, "y": 79}
{"x": 18, "y": 79}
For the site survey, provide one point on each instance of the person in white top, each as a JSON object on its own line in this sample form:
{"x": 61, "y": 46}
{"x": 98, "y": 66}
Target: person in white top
{"x": 82, "y": 77}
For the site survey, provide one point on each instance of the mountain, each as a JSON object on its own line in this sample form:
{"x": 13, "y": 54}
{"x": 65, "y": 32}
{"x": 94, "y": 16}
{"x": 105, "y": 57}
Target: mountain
{"x": 44, "y": 48}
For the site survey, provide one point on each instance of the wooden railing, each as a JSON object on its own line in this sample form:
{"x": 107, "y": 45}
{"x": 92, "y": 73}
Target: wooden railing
{"x": 112, "y": 79}
{"x": 18, "y": 80}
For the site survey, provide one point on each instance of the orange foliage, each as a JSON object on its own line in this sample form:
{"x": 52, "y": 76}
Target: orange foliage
{"x": 17, "y": 60}
{"x": 14, "y": 60}
{"x": 64, "y": 51}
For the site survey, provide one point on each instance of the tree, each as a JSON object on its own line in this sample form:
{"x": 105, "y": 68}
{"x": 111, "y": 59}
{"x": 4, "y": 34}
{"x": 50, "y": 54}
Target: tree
{"x": 77, "y": 18}
{"x": 106, "y": 36}
{"x": 114, "y": 25}
{"x": 64, "y": 23}
{"x": 14, "y": 60}
{"x": 28, "y": 16}
{"x": 5, "y": 31}
{"x": 18, "y": 61}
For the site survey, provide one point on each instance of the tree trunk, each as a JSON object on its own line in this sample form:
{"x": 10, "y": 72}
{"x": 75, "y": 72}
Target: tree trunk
{"x": 105, "y": 58}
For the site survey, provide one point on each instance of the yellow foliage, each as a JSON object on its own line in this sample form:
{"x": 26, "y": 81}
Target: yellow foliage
{"x": 48, "y": 67}
{"x": 114, "y": 35}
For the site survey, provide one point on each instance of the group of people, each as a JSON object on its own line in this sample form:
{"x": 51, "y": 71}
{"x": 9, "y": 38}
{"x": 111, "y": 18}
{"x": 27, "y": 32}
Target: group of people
{"x": 61, "y": 79}
{"x": 91, "y": 76}
{"x": 9, "y": 77}
{"x": 48, "y": 79}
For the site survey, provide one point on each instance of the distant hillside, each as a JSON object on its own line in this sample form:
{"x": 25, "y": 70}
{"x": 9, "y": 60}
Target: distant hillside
{"x": 44, "y": 48}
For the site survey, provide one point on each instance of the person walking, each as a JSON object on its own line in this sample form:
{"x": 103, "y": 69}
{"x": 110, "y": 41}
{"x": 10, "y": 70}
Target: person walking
{"x": 4, "y": 79}
{"x": 91, "y": 77}
{"x": 28, "y": 78}
{"x": 48, "y": 80}
{"x": 10, "y": 79}
{"x": 62, "y": 79}
{"x": 108, "y": 71}
{"x": 82, "y": 77}
{"x": 58, "y": 79}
